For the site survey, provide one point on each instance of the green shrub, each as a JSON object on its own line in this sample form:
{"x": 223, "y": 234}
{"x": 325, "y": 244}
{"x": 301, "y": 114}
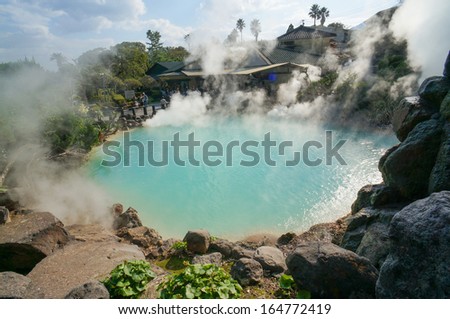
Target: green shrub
{"x": 200, "y": 282}
{"x": 180, "y": 246}
{"x": 69, "y": 129}
{"x": 288, "y": 289}
{"x": 129, "y": 279}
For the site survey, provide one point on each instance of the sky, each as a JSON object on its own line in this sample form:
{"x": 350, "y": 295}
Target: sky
{"x": 38, "y": 28}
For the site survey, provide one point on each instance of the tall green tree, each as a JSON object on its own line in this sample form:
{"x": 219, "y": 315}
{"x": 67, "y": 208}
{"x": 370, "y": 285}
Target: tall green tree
{"x": 255, "y": 28}
{"x": 324, "y": 13}
{"x": 130, "y": 60}
{"x": 240, "y": 25}
{"x": 154, "y": 46}
{"x": 314, "y": 12}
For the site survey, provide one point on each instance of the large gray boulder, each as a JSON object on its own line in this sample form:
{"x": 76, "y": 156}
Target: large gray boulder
{"x": 89, "y": 290}
{"x": 407, "y": 168}
{"x": 16, "y": 286}
{"x": 418, "y": 265}
{"x": 29, "y": 238}
{"x": 247, "y": 271}
{"x": 329, "y": 271}
{"x": 410, "y": 112}
{"x": 434, "y": 89}
{"x": 79, "y": 263}
{"x": 197, "y": 241}
{"x": 271, "y": 259}
{"x": 440, "y": 175}
{"x": 222, "y": 246}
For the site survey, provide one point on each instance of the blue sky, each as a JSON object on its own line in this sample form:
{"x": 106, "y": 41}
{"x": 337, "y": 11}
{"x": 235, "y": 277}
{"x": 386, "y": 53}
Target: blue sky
{"x": 38, "y": 28}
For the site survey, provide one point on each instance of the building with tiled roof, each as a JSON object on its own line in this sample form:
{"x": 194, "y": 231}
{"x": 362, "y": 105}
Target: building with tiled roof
{"x": 306, "y": 40}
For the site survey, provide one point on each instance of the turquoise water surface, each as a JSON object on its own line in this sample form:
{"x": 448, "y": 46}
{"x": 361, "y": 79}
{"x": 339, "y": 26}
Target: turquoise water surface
{"x": 234, "y": 201}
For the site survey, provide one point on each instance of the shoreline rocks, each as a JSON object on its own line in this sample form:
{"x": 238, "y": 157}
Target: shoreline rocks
{"x": 418, "y": 264}
{"x": 329, "y": 271}
{"x": 28, "y": 239}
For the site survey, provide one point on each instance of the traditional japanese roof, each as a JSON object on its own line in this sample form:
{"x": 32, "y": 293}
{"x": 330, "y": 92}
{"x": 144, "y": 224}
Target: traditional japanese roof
{"x": 280, "y": 55}
{"x": 302, "y": 32}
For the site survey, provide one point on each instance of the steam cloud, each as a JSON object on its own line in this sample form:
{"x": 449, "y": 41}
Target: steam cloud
{"x": 426, "y": 26}
{"x": 40, "y": 183}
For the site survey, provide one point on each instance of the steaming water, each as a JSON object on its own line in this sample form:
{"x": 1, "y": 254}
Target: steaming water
{"x": 236, "y": 201}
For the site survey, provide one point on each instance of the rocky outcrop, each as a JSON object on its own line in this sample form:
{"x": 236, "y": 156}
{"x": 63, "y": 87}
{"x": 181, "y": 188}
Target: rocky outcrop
{"x": 329, "y": 271}
{"x": 145, "y": 238}
{"x": 17, "y": 286}
{"x": 78, "y": 263}
{"x": 247, "y": 271}
{"x": 29, "y": 238}
{"x": 408, "y": 168}
{"x": 213, "y": 258}
{"x": 197, "y": 241}
{"x": 127, "y": 219}
{"x": 366, "y": 233}
{"x": 271, "y": 259}
{"x": 89, "y": 290}
{"x": 416, "y": 168}
{"x": 418, "y": 265}
{"x": 410, "y": 112}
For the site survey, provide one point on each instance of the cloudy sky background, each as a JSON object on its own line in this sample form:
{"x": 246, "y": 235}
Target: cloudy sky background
{"x": 33, "y": 28}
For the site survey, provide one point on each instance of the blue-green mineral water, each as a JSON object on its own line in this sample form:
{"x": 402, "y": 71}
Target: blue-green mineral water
{"x": 235, "y": 200}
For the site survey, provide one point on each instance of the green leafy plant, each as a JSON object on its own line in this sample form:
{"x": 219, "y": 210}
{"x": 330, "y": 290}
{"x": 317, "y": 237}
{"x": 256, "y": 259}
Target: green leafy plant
{"x": 180, "y": 246}
{"x": 288, "y": 289}
{"x": 200, "y": 282}
{"x": 129, "y": 279}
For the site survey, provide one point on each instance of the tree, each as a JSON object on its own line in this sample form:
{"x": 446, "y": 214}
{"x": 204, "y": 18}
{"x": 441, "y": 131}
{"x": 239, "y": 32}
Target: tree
{"x": 255, "y": 28}
{"x": 240, "y": 25}
{"x": 324, "y": 13}
{"x": 173, "y": 54}
{"x": 232, "y": 37}
{"x": 154, "y": 46}
{"x": 336, "y": 25}
{"x": 130, "y": 60}
{"x": 314, "y": 12}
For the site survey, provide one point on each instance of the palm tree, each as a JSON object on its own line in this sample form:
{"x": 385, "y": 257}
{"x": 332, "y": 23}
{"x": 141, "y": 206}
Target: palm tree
{"x": 324, "y": 13}
{"x": 240, "y": 25}
{"x": 255, "y": 27}
{"x": 314, "y": 12}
